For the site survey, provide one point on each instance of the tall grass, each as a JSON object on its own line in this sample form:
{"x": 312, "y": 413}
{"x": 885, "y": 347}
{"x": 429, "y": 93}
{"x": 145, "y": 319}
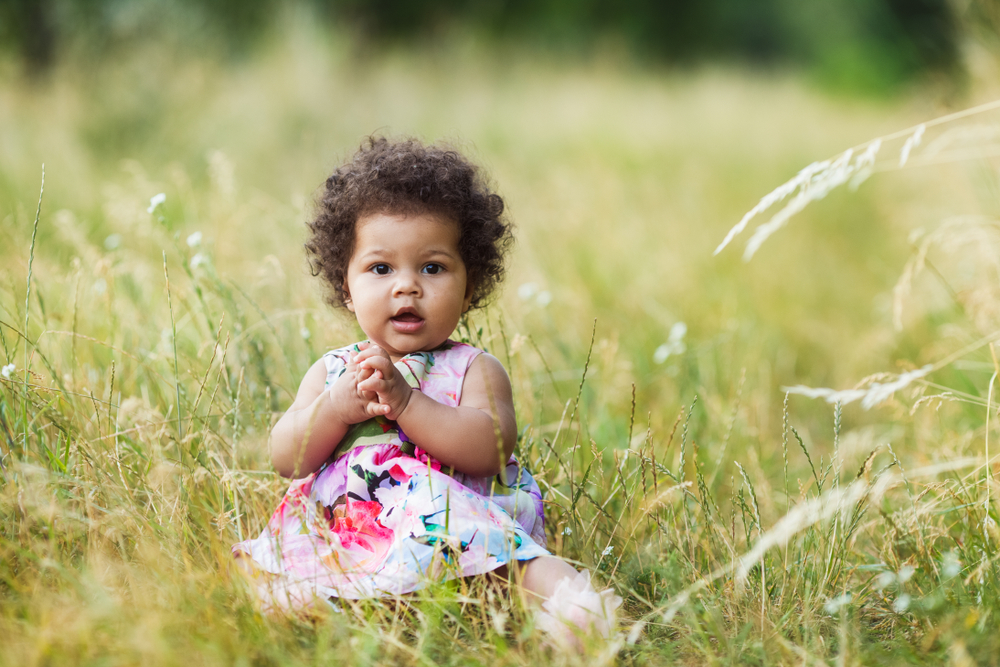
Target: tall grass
{"x": 741, "y": 525}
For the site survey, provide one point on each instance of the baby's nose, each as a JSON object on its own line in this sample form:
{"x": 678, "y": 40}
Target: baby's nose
{"x": 406, "y": 284}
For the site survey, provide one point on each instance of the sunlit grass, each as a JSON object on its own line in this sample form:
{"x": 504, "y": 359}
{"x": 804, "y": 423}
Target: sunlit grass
{"x": 136, "y": 413}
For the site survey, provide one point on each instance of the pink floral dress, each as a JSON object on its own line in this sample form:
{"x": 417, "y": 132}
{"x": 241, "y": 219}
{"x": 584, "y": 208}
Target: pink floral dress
{"x": 382, "y": 517}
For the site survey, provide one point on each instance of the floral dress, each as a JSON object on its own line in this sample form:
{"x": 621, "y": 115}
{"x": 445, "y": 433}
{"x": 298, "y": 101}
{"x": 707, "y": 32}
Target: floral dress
{"x": 382, "y": 517}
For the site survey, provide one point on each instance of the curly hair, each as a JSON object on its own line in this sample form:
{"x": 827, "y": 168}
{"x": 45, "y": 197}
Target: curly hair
{"x": 408, "y": 178}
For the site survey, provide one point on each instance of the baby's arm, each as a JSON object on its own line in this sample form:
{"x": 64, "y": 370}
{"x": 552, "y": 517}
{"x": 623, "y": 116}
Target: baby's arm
{"x": 322, "y": 415}
{"x": 476, "y": 438}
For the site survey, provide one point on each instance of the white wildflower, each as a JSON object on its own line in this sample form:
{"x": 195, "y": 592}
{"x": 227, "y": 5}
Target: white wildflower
{"x": 527, "y": 290}
{"x": 156, "y": 200}
{"x": 305, "y": 333}
{"x": 951, "y": 567}
{"x": 567, "y": 531}
{"x": 674, "y": 345}
{"x": 905, "y": 573}
{"x": 198, "y": 260}
{"x": 113, "y": 241}
{"x": 911, "y": 142}
{"x": 877, "y": 393}
{"x": 902, "y": 603}
{"x": 608, "y": 550}
{"x": 885, "y": 579}
{"x": 100, "y": 286}
{"x": 194, "y": 240}
{"x": 544, "y": 298}
{"x": 7, "y": 371}
{"x": 834, "y": 605}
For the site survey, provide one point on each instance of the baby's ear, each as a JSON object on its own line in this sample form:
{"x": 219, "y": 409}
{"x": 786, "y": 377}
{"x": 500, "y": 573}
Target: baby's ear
{"x": 348, "y": 303}
{"x": 470, "y": 289}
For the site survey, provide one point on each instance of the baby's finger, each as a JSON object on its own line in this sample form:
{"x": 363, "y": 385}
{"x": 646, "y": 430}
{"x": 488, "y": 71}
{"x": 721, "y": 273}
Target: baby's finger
{"x": 375, "y": 409}
{"x": 372, "y": 351}
{"x": 383, "y": 364}
{"x": 364, "y": 391}
{"x": 374, "y": 384}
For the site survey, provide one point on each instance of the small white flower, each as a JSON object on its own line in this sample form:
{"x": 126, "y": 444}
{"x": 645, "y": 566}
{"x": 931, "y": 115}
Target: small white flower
{"x": 902, "y": 603}
{"x": 674, "y": 345}
{"x": 156, "y": 200}
{"x": 100, "y": 286}
{"x": 905, "y": 573}
{"x": 544, "y": 298}
{"x": 194, "y": 240}
{"x": 607, "y": 552}
{"x": 7, "y": 371}
{"x": 113, "y": 241}
{"x": 527, "y": 290}
{"x": 567, "y": 531}
{"x": 951, "y": 567}
{"x": 834, "y": 605}
{"x": 305, "y": 333}
{"x": 198, "y": 260}
{"x": 886, "y": 579}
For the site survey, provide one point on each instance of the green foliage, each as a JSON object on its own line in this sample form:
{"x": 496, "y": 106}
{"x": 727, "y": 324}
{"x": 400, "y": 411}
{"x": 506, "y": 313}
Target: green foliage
{"x": 865, "y": 46}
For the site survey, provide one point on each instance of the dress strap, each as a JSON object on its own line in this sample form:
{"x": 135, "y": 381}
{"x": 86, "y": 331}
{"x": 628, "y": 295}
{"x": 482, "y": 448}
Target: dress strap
{"x": 445, "y": 368}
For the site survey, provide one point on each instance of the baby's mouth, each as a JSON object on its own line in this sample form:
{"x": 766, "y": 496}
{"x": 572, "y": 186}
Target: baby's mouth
{"x": 407, "y": 321}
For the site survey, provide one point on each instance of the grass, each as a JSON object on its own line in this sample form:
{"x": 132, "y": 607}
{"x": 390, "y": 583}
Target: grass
{"x": 741, "y": 525}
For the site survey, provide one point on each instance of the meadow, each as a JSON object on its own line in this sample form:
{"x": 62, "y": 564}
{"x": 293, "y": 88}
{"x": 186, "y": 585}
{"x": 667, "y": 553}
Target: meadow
{"x": 149, "y": 343}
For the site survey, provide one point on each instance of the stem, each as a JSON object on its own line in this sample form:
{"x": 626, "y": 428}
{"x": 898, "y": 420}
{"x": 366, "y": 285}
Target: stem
{"x": 173, "y": 340}
{"x": 27, "y": 311}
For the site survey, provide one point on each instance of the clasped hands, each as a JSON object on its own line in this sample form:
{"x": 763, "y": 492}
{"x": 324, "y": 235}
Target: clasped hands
{"x": 370, "y": 386}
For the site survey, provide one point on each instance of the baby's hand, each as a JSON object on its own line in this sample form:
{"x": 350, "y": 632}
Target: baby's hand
{"x": 362, "y": 374}
{"x": 351, "y": 406}
{"x": 383, "y": 380}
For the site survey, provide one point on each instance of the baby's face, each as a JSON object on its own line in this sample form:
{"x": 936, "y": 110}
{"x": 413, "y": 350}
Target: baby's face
{"x": 406, "y": 281}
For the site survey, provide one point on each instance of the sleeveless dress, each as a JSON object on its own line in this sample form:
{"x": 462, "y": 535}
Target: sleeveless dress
{"x": 382, "y": 517}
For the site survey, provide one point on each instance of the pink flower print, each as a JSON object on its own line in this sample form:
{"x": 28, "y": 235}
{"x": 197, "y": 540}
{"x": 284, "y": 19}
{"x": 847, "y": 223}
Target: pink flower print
{"x": 380, "y": 454}
{"x": 422, "y": 456}
{"x": 398, "y": 474}
{"x": 293, "y": 510}
{"x": 356, "y": 523}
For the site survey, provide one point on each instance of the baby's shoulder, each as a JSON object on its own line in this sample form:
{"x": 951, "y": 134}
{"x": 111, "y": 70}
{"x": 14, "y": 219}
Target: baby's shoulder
{"x": 452, "y": 358}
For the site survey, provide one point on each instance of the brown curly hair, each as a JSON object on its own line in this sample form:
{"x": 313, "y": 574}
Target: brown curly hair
{"x": 406, "y": 177}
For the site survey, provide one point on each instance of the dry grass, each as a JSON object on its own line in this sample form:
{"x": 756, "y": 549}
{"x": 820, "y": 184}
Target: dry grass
{"x": 149, "y": 363}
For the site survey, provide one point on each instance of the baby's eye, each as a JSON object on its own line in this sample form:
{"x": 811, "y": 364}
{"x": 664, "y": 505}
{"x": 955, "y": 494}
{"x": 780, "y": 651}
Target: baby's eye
{"x": 433, "y": 269}
{"x": 381, "y": 269}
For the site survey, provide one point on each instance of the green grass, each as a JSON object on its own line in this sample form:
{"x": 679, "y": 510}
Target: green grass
{"x": 134, "y": 426}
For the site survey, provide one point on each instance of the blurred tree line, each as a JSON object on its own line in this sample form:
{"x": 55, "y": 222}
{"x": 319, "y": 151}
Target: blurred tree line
{"x": 881, "y": 40}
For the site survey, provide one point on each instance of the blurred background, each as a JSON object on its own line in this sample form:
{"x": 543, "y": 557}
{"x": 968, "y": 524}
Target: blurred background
{"x": 859, "y": 44}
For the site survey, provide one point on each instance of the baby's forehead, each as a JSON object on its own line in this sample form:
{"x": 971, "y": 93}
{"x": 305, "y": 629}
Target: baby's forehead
{"x": 420, "y": 234}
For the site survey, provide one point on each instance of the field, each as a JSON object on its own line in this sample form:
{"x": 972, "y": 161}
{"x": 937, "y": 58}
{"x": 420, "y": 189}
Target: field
{"x": 148, "y": 349}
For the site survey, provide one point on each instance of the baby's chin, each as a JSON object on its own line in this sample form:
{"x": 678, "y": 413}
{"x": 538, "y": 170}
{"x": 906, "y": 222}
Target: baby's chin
{"x": 397, "y": 353}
